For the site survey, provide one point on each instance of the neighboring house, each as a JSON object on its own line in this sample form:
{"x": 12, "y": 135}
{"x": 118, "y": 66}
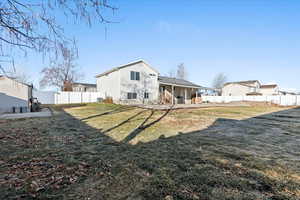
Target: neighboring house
{"x": 249, "y": 88}
{"x": 79, "y": 87}
{"x": 241, "y": 88}
{"x": 14, "y": 95}
{"x": 271, "y": 89}
{"x": 138, "y": 82}
{"x": 84, "y": 87}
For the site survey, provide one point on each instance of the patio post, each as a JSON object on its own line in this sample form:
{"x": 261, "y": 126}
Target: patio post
{"x": 185, "y": 94}
{"x": 196, "y": 96}
{"x": 172, "y": 94}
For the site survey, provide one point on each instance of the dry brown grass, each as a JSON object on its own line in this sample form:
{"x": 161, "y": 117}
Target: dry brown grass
{"x": 86, "y": 153}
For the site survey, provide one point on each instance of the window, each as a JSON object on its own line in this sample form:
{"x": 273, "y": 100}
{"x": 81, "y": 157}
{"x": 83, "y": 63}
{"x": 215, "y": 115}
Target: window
{"x": 134, "y": 76}
{"x": 146, "y": 95}
{"x": 131, "y": 95}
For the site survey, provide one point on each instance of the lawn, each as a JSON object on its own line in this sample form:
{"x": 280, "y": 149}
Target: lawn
{"x": 105, "y": 151}
{"x": 133, "y": 125}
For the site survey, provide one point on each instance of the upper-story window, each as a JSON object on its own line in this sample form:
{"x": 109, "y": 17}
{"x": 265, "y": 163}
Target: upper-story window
{"x": 135, "y": 76}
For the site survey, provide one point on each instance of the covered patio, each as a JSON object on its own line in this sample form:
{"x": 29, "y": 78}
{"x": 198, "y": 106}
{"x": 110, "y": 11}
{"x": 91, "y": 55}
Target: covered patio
{"x": 177, "y": 91}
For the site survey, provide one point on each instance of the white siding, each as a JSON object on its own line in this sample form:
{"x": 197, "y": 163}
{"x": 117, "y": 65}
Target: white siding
{"x": 118, "y": 84}
{"x": 109, "y": 86}
{"x": 236, "y": 90}
{"x": 13, "y": 94}
{"x": 148, "y": 83}
{"x": 269, "y": 91}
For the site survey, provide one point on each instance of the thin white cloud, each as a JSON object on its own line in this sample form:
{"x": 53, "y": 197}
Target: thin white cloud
{"x": 164, "y": 26}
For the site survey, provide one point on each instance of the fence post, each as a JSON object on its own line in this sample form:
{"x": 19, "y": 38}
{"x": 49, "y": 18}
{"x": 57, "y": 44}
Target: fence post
{"x": 280, "y": 100}
{"x": 68, "y": 97}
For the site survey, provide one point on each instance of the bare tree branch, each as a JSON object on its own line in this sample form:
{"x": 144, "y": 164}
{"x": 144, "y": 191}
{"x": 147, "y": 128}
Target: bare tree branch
{"x": 219, "y": 80}
{"x": 33, "y": 25}
{"x": 182, "y": 72}
{"x": 61, "y": 73}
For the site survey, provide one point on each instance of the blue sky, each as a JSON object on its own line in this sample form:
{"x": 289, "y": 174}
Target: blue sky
{"x": 253, "y": 39}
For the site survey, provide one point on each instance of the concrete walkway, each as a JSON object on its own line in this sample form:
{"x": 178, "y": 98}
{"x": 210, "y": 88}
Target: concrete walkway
{"x": 44, "y": 113}
{"x": 187, "y": 106}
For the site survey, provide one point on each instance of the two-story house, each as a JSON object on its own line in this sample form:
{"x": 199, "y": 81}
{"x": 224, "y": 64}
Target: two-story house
{"x": 140, "y": 83}
{"x": 241, "y": 88}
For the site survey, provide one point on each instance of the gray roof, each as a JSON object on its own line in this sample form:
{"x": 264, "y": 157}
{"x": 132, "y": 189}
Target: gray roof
{"x": 176, "y": 81}
{"x": 243, "y": 82}
{"x": 85, "y": 84}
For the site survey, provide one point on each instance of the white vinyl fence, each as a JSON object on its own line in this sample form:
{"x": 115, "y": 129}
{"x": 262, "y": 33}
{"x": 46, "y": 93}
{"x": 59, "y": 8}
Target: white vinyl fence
{"x": 67, "y": 97}
{"x": 91, "y": 97}
{"x": 289, "y": 100}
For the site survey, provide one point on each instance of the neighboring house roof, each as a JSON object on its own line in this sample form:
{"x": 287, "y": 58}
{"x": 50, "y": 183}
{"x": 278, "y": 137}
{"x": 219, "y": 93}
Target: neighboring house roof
{"x": 268, "y": 86}
{"x": 254, "y": 94}
{"x": 176, "y": 81}
{"x": 242, "y": 82}
{"x": 85, "y": 84}
{"x": 123, "y": 66}
{"x": 285, "y": 92}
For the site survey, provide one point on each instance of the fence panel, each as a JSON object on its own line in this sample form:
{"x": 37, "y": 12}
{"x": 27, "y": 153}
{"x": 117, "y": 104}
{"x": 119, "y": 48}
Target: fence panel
{"x": 290, "y": 100}
{"x": 76, "y": 97}
{"x": 86, "y": 97}
{"x": 44, "y": 97}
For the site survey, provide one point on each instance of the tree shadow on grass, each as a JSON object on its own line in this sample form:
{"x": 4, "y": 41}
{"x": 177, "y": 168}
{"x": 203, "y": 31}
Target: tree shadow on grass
{"x": 123, "y": 122}
{"x": 115, "y": 111}
{"x": 213, "y": 164}
{"x": 143, "y": 126}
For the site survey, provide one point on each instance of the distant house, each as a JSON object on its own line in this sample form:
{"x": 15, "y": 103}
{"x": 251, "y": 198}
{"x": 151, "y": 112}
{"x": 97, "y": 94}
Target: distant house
{"x": 138, "y": 82}
{"x": 84, "y": 87}
{"x": 241, "y": 88}
{"x": 249, "y": 88}
{"x": 80, "y": 87}
{"x": 271, "y": 89}
{"x": 14, "y": 95}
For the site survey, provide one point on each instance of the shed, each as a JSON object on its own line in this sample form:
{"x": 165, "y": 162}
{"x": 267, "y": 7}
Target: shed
{"x": 14, "y": 95}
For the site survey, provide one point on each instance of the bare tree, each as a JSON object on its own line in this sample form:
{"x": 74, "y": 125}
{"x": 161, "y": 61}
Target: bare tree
{"x": 61, "y": 73}
{"x": 171, "y": 73}
{"x": 182, "y": 72}
{"x": 219, "y": 80}
{"x": 33, "y": 25}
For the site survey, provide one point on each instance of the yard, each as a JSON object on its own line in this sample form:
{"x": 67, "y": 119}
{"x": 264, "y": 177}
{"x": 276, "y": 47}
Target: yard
{"x": 106, "y": 151}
